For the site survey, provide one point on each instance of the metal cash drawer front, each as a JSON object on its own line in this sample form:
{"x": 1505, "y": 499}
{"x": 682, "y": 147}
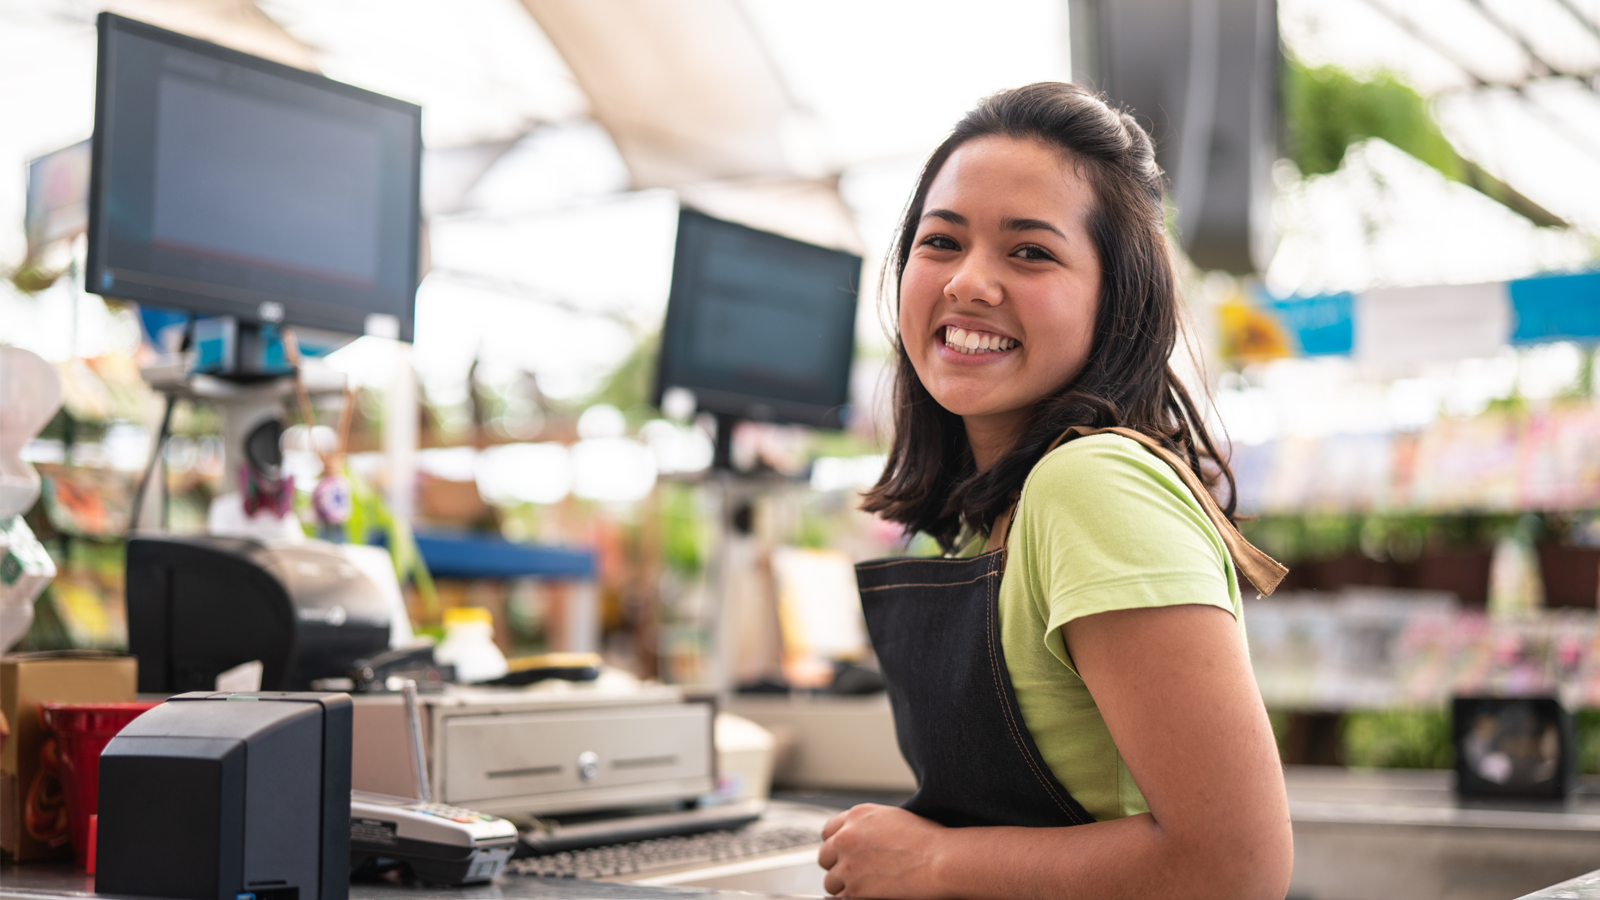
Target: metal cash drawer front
{"x": 489, "y": 757}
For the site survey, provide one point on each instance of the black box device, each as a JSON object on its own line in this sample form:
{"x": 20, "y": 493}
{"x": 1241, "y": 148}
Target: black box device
{"x": 1517, "y": 748}
{"x": 229, "y": 797}
{"x": 199, "y": 605}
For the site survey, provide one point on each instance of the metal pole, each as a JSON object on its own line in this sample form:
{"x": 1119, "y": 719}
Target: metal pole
{"x": 419, "y": 762}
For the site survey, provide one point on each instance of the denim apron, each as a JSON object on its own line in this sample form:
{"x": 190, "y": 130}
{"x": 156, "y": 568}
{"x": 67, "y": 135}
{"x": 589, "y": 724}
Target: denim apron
{"x": 935, "y": 628}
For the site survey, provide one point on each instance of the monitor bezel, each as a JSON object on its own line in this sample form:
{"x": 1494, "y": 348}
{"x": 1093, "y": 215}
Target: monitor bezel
{"x": 259, "y": 311}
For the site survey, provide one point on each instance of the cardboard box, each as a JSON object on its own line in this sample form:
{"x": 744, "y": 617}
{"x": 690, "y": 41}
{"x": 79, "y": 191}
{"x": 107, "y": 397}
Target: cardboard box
{"x": 27, "y": 680}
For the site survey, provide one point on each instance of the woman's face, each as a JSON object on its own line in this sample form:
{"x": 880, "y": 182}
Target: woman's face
{"x": 998, "y": 298}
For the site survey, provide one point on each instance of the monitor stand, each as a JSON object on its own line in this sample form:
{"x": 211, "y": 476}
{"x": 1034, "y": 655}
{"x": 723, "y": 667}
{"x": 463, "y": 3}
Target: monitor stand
{"x": 734, "y": 491}
{"x": 722, "y": 444}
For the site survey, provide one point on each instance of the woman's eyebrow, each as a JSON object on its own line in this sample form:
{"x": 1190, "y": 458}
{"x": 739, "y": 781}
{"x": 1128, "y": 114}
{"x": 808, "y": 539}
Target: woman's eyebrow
{"x": 1031, "y": 225}
{"x": 949, "y": 215}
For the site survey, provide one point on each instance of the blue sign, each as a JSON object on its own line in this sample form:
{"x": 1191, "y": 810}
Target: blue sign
{"x": 1556, "y": 307}
{"x": 1323, "y": 324}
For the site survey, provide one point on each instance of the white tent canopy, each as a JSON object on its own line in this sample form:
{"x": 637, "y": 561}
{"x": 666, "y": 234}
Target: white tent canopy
{"x": 553, "y": 126}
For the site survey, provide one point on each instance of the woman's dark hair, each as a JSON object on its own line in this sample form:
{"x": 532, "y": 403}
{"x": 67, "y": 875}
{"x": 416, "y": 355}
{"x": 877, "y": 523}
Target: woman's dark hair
{"x": 931, "y": 482}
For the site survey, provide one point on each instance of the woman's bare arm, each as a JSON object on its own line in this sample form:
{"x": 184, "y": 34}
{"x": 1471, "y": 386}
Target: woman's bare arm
{"x": 1176, "y": 691}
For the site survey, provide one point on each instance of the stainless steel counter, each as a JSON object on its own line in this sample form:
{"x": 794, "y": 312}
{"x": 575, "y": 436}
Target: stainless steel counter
{"x": 1584, "y": 887}
{"x": 53, "y": 881}
{"x": 786, "y": 873}
{"x": 1404, "y": 835}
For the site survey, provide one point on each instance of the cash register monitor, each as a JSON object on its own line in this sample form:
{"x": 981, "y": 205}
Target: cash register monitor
{"x": 759, "y": 326}
{"x": 225, "y": 184}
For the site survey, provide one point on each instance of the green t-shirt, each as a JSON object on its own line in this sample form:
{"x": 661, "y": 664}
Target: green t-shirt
{"x": 1103, "y": 524}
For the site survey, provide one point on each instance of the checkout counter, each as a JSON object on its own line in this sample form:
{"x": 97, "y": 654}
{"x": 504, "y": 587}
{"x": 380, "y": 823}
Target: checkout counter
{"x": 1375, "y": 835}
{"x": 1403, "y": 834}
{"x": 1580, "y": 888}
{"x": 55, "y": 882}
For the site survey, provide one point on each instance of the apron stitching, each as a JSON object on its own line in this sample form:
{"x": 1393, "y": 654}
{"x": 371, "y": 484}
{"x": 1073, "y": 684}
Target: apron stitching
{"x": 917, "y": 559}
{"x": 885, "y": 587}
{"x": 1005, "y": 705}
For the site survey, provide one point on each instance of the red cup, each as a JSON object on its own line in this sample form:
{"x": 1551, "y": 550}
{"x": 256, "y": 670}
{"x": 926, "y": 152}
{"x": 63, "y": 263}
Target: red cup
{"x": 82, "y": 730}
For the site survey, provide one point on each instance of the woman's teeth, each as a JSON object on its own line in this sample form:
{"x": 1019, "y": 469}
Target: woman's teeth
{"x": 964, "y": 341}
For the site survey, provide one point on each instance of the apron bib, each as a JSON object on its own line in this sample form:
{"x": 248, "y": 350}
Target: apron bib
{"x": 935, "y": 627}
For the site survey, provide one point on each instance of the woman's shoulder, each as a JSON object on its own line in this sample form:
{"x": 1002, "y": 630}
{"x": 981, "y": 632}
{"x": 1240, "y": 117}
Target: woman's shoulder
{"x": 1102, "y": 466}
{"x": 1111, "y": 524}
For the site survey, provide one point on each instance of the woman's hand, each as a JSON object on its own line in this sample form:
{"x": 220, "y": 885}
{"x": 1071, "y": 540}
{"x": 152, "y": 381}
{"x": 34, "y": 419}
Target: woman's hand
{"x": 880, "y": 851}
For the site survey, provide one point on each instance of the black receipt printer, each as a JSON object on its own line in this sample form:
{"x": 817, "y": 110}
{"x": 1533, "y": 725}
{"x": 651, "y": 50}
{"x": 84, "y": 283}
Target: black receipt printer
{"x": 199, "y": 605}
{"x": 229, "y": 796}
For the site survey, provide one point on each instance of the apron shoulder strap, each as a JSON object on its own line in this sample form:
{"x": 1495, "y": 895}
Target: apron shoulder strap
{"x": 1264, "y": 572}
{"x": 1002, "y": 525}
{"x": 1001, "y": 528}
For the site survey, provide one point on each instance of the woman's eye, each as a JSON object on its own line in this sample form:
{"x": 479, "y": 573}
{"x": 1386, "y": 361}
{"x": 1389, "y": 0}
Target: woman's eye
{"x": 1034, "y": 253}
{"x": 940, "y": 242}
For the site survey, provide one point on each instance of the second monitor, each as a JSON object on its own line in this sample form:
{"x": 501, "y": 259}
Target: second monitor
{"x": 759, "y": 326}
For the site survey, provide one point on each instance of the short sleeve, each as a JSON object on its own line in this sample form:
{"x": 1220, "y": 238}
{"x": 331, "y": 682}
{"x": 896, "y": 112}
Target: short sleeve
{"x": 1103, "y": 524}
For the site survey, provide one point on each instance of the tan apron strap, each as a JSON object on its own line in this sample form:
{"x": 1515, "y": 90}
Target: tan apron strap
{"x": 1262, "y": 570}
{"x": 1002, "y": 526}
{"x": 1000, "y": 529}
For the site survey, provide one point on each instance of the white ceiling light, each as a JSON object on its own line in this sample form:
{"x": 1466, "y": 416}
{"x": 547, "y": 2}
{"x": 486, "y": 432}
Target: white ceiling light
{"x": 524, "y": 473}
{"x": 615, "y": 470}
{"x": 602, "y": 420}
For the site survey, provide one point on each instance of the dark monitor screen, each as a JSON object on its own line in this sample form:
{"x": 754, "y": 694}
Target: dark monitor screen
{"x": 226, "y": 184}
{"x": 758, "y": 325}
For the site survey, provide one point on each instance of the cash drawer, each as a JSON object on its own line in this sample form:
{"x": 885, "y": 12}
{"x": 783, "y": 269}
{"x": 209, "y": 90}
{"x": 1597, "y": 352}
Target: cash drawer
{"x": 552, "y": 760}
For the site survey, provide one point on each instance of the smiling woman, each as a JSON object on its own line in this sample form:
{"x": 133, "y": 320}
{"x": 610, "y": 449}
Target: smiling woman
{"x": 1006, "y": 232}
{"x": 1070, "y": 682}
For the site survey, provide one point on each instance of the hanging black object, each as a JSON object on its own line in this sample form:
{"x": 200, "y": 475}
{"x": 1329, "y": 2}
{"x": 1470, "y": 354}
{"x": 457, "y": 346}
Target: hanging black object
{"x": 1202, "y": 76}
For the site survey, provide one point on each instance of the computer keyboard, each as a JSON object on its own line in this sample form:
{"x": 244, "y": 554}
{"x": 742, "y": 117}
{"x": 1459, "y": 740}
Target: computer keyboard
{"x": 640, "y": 857}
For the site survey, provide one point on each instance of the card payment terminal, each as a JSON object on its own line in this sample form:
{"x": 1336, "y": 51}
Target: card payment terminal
{"x": 439, "y": 843}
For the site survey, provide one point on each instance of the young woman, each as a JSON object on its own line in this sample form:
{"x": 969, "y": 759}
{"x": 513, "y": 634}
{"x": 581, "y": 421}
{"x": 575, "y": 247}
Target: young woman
{"x": 1077, "y": 701}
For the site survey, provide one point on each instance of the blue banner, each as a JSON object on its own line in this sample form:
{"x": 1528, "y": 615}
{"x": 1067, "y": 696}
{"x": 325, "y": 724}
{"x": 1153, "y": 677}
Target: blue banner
{"x": 1556, "y": 308}
{"x": 1322, "y": 324}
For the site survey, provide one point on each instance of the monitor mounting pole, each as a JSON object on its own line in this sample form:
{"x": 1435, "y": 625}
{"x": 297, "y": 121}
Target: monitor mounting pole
{"x": 722, "y": 448}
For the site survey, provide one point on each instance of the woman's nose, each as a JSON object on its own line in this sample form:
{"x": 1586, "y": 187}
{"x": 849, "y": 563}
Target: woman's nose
{"x": 975, "y": 281}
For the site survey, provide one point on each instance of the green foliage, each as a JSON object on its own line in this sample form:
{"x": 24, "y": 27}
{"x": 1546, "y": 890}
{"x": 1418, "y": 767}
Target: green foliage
{"x": 31, "y": 278}
{"x": 1421, "y": 739}
{"x": 1399, "y": 739}
{"x": 69, "y": 430}
{"x": 1290, "y": 539}
{"x": 628, "y": 388}
{"x": 47, "y": 632}
{"x": 1326, "y": 109}
{"x": 1583, "y": 383}
{"x": 841, "y": 443}
{"x": 1399, "y": 537}
{"x": 814, "y": 532}
{"x": 369, "y": 516}
{"x": 681, "y": 529}
{"x": 1586, "y": 731}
